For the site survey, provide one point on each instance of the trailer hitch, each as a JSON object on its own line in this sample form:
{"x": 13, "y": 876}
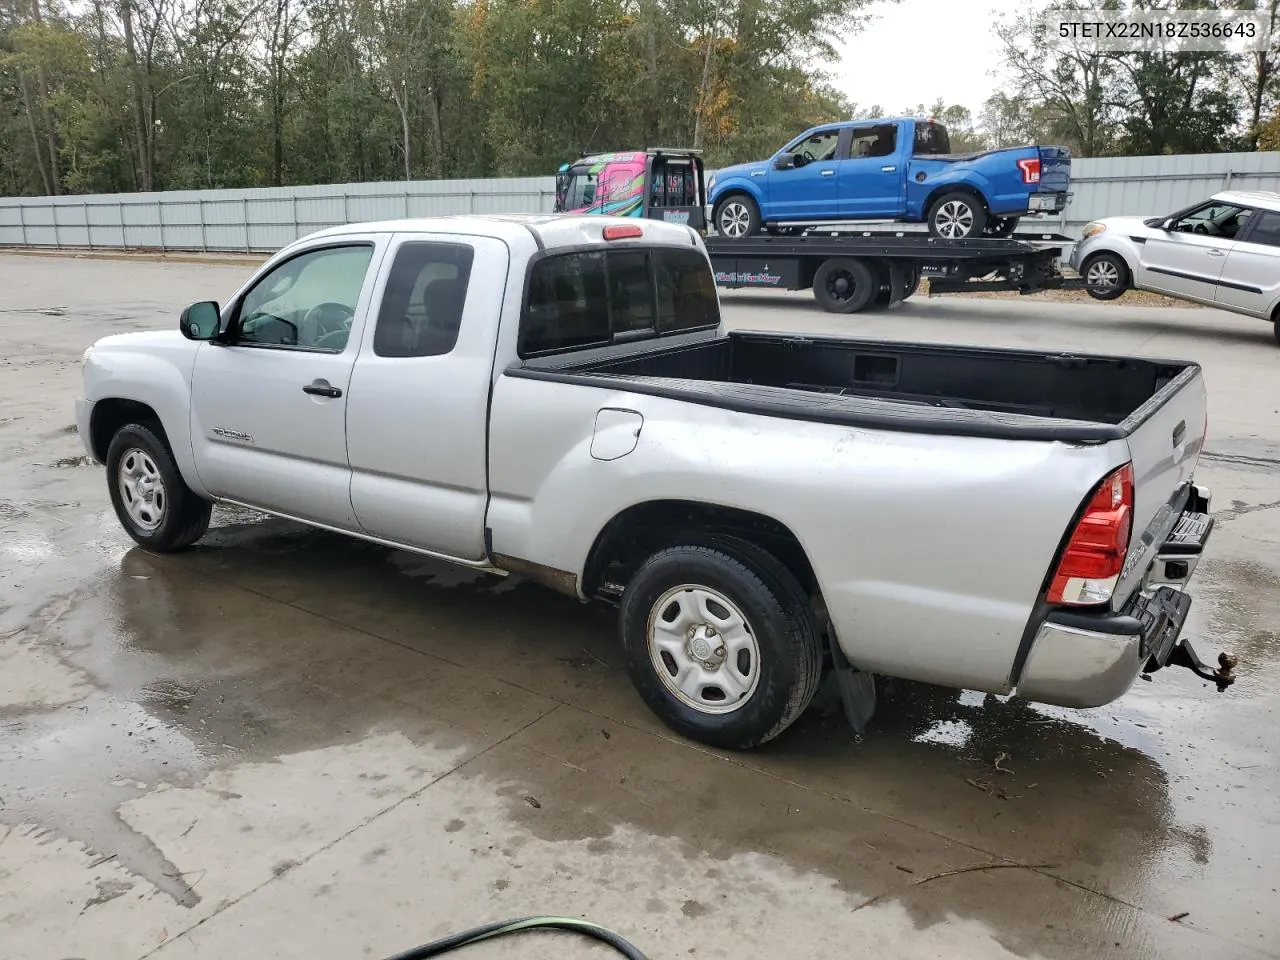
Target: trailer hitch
{"x": 1184, "y": 655}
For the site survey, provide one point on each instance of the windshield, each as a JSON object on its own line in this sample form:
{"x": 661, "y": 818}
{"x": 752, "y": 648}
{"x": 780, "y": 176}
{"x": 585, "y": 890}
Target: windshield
{"x": 575, "y": 189}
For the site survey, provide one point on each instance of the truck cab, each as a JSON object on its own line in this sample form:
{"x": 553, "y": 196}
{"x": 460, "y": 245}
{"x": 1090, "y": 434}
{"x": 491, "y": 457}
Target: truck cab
{"x": 660, "y": 183}
{"x": 895, "y": 168}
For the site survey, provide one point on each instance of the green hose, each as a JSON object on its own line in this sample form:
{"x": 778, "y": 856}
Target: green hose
{"x": 487, "y": 932}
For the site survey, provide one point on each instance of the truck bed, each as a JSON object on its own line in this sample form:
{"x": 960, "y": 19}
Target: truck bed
{"x": 929, "y": 388}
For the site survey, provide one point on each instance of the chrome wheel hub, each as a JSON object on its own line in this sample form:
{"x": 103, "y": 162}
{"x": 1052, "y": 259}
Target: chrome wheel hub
{"x": 1103, "y": 275}
{"x": 954, "y": 220}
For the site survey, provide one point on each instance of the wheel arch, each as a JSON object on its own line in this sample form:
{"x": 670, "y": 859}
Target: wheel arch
{"x": 938, "y": 192}
{"x": 1115, "y": 251}
{"x": 638, "y": 531}
{"x": 112, "y": 413}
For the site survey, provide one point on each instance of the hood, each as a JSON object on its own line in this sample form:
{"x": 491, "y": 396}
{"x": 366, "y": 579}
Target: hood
{"x": 1130, "y": 226}
{"x": 740, "y": 170}
{"x": 143, "y": 339}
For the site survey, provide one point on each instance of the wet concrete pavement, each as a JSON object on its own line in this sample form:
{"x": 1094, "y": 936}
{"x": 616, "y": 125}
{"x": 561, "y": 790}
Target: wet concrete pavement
{"x": 288, "y": 744}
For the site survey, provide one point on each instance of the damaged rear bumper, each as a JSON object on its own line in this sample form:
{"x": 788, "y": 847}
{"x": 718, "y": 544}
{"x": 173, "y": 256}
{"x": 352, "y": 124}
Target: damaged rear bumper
{"x": 1082, "y": 659}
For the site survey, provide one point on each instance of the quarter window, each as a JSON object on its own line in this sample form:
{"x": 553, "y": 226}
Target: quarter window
{"x": 421, "y": 310}
{"x": 308, "y": 302}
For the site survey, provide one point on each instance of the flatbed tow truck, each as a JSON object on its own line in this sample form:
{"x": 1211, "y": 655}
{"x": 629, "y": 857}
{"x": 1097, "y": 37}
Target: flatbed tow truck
{"x": 853, "y": 270}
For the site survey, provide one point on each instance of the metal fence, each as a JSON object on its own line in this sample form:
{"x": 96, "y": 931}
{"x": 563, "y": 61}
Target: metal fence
{"x": 265, "y": 219}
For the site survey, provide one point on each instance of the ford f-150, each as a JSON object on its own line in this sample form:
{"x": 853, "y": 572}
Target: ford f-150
{"x": 890, "y": 169}
{"x": 557, "y": 397}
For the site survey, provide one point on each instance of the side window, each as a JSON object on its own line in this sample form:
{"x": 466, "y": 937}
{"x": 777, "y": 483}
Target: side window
{"x": 874, "y": 141}
{"x": 307, "y": 302}
{"x": 818, "y": 146}
{"x": 1267, "y": 230}
{"x": 567, "y": 304}
{"x": 1213, "y": 219}
{"x": 686, "y": 291}
{"x": 421, "y": 310}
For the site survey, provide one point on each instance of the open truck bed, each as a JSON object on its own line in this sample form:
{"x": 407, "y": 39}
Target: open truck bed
{"x": 968, "y": 391}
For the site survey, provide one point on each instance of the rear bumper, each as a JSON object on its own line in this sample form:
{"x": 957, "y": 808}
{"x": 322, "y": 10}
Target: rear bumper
{"x": 1089, "y": 659}
{"x": 1048, "y": 202}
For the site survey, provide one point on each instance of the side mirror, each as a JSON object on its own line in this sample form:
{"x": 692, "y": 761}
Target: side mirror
{"x": 200, "y": 321}
{"x": 786, "y": 161}
{"x": 1166, "y": 224}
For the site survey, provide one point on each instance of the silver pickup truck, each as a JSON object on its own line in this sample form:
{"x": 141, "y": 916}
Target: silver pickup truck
{"x": 556, "y": 397}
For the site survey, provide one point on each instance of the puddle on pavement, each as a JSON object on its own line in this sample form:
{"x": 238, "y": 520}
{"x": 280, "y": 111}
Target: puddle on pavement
{"x": 171, "y": 678}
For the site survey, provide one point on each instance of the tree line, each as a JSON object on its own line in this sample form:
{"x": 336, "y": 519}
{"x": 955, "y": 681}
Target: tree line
{"x": 101, "y": 96}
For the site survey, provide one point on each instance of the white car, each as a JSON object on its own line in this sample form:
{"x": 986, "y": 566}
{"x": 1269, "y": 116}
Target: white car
{"x": 1224, "y": 252}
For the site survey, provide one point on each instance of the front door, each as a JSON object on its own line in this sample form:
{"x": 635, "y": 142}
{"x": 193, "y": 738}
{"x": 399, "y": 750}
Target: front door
{"x": 871, "y": 183}
{"x": 806, "y": 191}
{"x": 417, "y": 421}
{"x": 1250, "y": 278}
{"x": 1186, "y": 260}
{"x": 269, "y": 407}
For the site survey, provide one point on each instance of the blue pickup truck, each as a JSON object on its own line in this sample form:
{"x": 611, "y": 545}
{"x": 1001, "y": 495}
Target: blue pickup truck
{"x": 897, "y": 168}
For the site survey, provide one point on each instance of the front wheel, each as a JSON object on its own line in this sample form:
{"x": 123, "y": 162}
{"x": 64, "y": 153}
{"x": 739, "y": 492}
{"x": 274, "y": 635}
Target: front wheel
{"x": 721, "y": 643}
{"x": 736, "y": 217}
{"x": 957, "y": 216}
{"x": 152, "y": 501}
{"x": 1106, "y": 276}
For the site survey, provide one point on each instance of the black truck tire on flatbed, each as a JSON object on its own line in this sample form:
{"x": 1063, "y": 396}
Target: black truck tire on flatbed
{"x": 845, "y": 284}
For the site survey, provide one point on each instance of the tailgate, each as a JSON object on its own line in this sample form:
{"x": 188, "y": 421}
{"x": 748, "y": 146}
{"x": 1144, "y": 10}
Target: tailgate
{"x": 1165, "y": 442}
{"x": 1055, "y": 169}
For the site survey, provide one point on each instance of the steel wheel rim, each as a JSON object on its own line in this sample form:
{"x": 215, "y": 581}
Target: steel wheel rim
{"x": 841, "y": 285}
{"x": 703, "y": 649}
{"x": 735, "y": 218}
{"x": 142, "y": 489}
{"x": 1103, "y": 274}
{"x": 954, "y": 219}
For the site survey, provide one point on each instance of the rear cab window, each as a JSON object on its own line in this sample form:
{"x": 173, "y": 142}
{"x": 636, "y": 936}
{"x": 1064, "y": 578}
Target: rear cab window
{"x": 592, "y": 298}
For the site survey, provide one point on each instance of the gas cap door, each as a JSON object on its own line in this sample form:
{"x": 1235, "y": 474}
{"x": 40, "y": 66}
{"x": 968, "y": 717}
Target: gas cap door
{"x": 617, "y": 433}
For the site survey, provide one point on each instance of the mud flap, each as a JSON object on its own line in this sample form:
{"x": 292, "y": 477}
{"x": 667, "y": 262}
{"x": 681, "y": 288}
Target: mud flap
{"x": 857, "y": 689}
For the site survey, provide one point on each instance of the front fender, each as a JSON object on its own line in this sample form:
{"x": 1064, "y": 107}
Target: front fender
{"x": 754, "y": 187}
{"x": 159, "y": 379}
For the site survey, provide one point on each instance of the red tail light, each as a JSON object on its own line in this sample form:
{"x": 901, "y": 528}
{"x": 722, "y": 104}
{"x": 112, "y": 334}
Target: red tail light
{"x": 1030, "y": 168}
{"x": 1095, "y": 554}
{"x": 619, "y": 231}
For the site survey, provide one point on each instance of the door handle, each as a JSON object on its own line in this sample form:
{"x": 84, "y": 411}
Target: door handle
{"x": 828, "y": 173}
{"x": 888, "y": 169}
{"x": 321, "y": 388}
{"x": 1215, "y": 252}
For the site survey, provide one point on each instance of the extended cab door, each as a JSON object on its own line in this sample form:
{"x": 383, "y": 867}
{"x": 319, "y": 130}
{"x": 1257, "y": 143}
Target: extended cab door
{"x": 806, "y": 191}
{"x": 417, "y": 420}
{"x": 872, "y": 178}
{"x": 1187, "y": 259}
{"x": 1250, "y": 279}
{"x": 269, "y": 405}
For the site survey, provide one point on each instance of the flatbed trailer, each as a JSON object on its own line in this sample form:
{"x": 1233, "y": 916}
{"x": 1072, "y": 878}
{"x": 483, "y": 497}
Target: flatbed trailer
{"x": 852, "y": 270}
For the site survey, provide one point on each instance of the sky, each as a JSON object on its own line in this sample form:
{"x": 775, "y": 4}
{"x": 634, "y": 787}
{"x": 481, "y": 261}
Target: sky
{"x": 915, "y": 51}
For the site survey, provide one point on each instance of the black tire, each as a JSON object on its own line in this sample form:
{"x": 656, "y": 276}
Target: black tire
{"x": 844, "y": 285}
{"x": 779, "y": 618}
{"x": 183, "y": 517}
{"x": 1106, "y": 276}
{"x": 957, "y": 216}
{"x": 776, "y": 231}
{"x": 1001, "y": 227}
{"x": 1275, "y": 330}
{"x": 743, "y": 216}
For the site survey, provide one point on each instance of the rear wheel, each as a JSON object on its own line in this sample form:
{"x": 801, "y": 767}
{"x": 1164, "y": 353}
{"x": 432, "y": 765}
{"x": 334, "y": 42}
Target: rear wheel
{"x": 721, "y": 643}
{"x": 736, "y": 216}
{"x": 1106, "y": 276}
{"x": 957, "y": 216}
{"x": 152, "y": 501}
{"x": 844, "y": 285}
